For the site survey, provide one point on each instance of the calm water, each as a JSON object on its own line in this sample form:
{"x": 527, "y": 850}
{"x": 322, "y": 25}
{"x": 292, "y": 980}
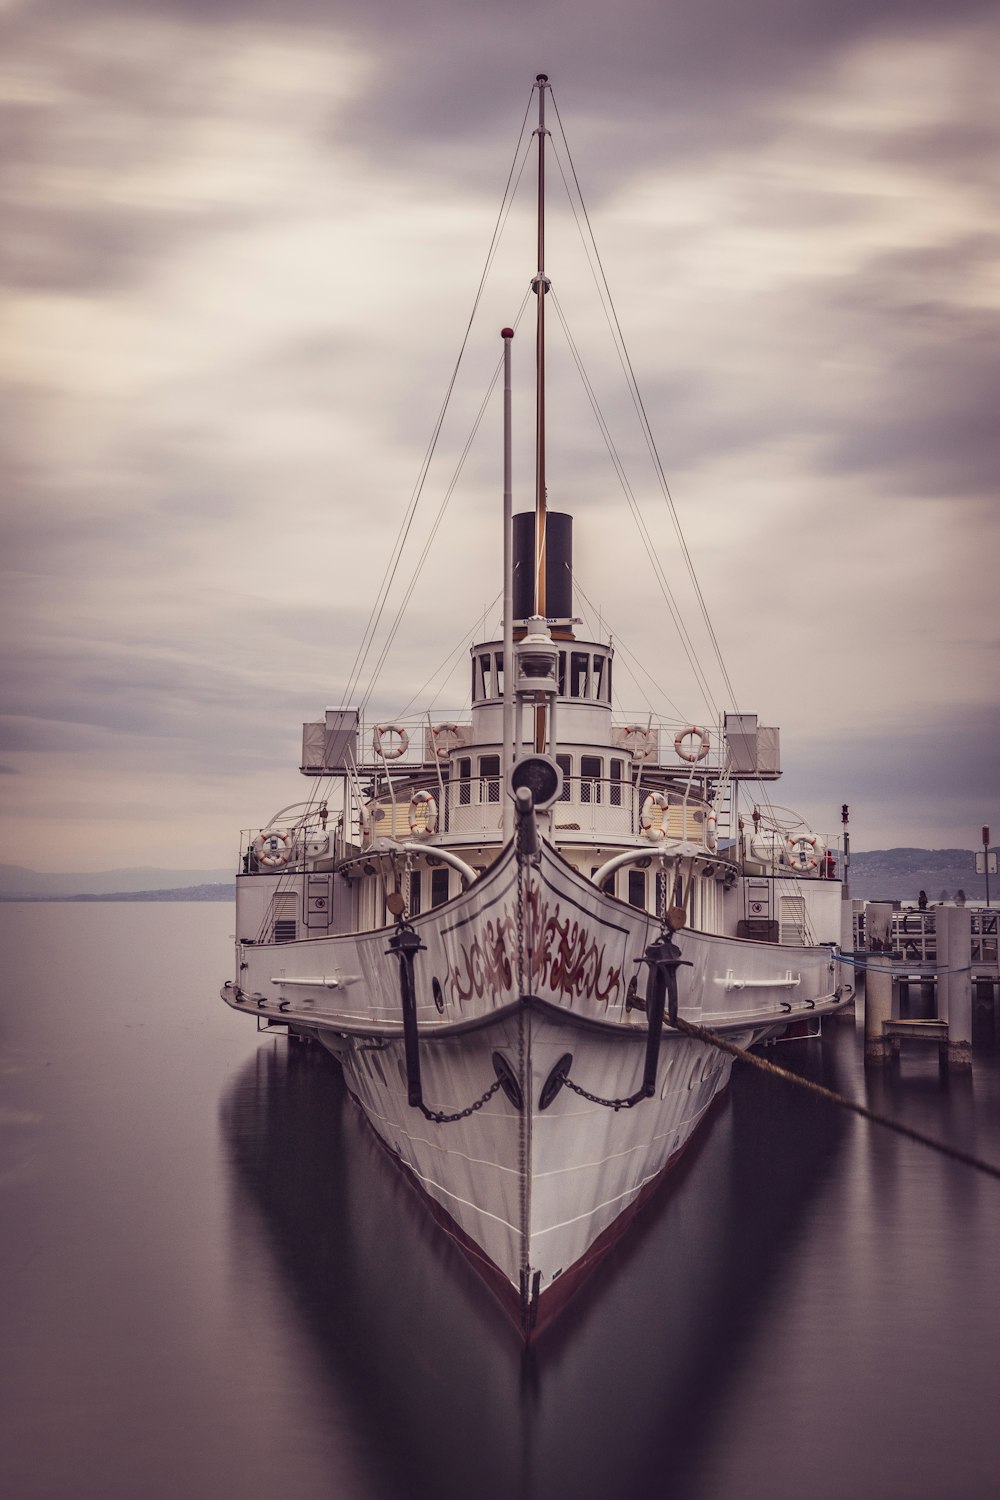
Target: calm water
{"x": 216, "y": 1284}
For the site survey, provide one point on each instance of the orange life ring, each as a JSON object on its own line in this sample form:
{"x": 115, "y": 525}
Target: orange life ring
{"x": 652, "y": 827}
{"x": 446, "y": 737}
{"x": 637, "y": 741}
{"x": 691, "y": 756}
{"x": 798, "y": 858}
{"x": 273, "y": 850}
{"x": 394, "y": 751}
{"x": 423, "y": 813}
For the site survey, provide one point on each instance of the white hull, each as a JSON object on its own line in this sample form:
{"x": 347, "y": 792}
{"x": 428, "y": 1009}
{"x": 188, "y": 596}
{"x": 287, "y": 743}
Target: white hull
{"x": 533, "y": 1191}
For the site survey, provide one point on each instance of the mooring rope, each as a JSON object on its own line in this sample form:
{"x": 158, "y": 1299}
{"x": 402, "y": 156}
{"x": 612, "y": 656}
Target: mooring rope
{"x": 702, "y": 1034}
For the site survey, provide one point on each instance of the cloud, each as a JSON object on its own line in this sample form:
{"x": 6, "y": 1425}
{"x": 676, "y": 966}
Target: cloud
{"x": 242, "y": 247}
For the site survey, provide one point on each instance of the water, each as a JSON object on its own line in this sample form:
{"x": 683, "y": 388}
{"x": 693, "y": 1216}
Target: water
{"x": 215, "y": 1283}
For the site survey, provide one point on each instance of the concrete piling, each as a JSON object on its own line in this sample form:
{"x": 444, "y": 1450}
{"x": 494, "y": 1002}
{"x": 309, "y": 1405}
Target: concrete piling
{"x": 878, "y": 980}
{"x": 953, "y": 926}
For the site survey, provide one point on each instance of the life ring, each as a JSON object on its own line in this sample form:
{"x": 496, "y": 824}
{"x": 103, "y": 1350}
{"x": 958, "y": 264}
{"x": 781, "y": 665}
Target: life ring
{"x": 273, "y": 849}
{"x": 653, "y": 827}
{"x": 637, "y": 741}
{"x": 423, "y": 813}
{"x": 704, "y": 744}
{"x": 711, "y": 833}
{"x": 798, "y": 856}
{"x": 446, "y": 737}
{"x": 394, "y": 751}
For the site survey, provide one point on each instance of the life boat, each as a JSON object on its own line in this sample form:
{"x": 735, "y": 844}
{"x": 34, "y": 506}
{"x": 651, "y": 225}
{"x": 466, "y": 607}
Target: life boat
{"x": 700, "y": 750}
{"x": 390, "y": 752}
{"x": 423, "y": 813}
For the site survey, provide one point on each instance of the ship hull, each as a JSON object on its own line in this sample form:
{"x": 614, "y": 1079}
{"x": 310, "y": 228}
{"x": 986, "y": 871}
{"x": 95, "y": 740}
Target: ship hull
{"x": 516, "y": 1102}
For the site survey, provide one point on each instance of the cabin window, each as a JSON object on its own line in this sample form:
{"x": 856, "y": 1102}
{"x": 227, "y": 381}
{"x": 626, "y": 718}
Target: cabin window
{"x": 464, "y": 781}
{"x": 489, "y": 771}
{"x": 562, "y": 674}
{"x": 590, "y": 778}
{"x": 486, "y": 668}
{"x": 565, "y": 764}
{"x": 615, "y": 796}
{"x": 414, "y": 902}
{"x": 637, "y": 889}
{"x": 439, "y": 887}
{"x": 498, "y": 674}
{"x": 579, "y": 674}
{"x": 600, "y": 662}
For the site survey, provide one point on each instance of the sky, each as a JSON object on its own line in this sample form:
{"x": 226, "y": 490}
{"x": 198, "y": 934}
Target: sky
{"x": 243, "y": 240}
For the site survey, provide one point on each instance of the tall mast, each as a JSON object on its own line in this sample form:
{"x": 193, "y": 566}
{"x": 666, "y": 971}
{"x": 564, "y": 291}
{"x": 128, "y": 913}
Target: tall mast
{"x": 540, "y": 285}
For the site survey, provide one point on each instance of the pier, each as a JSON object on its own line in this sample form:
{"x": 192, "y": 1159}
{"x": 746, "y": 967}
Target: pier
{"x": 936, "y": 961}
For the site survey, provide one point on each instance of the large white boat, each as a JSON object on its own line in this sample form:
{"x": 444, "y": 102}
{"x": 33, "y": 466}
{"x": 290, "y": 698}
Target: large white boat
{"x": 495, "y": 923}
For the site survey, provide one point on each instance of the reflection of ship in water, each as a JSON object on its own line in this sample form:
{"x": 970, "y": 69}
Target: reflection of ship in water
{"x": 629, "y": 1385}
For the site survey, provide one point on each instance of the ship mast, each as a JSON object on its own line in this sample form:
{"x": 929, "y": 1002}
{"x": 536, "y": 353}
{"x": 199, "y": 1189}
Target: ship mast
{"x": 540, "y": 285}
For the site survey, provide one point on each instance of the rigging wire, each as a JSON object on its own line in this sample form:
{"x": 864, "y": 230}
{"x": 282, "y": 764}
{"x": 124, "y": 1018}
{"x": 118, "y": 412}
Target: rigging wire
{"x": 387, "y": 645}
{"x": 621, "y": 646}
{"x": 644, "y": 534}
{"x": 456, "y": 651}
{"x": 626, "y": 363}
{"x": 388, "y": 577}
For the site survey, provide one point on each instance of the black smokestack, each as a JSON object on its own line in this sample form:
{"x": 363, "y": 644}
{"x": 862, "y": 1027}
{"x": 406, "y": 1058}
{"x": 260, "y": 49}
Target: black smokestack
{"x": 558, "y": 565}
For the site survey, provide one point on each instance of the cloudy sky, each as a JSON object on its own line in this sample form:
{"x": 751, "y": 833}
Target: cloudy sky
{"x": 242, "y": 242}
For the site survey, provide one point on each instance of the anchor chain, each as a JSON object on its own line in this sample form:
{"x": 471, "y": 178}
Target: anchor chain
{"x": 404, "y": 945}
{"x": 664, "y": 959}
{"x": 439, "y": 1117}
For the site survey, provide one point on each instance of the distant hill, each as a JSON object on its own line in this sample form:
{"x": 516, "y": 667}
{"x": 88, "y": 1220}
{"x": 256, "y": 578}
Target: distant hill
{"x": 186, "y": 893}
{"x": 901, "y": 874}
{"x": 18, "y": 883}
{"x": 886, "y": 874}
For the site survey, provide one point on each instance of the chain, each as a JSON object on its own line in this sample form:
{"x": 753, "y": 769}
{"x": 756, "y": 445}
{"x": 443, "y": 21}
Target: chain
{"x": 439, "y": 1117}
{"x": 615, "y": 1104}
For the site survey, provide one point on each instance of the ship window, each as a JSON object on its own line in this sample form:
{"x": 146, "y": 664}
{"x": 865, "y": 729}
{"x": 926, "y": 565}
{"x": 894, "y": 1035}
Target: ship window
{"x": 637, "y": 889}
{"x": 485, "y": 666}
{"x": 464, "y": 781}
{"x": 599, "y": 664}
{"x": 489, "y": 770}
{"x": 414, "y": 893}
{"x": 607, "y": 682}
{"x": 579, "y": 680}
{"x": 562, "y": 674}
{"x": 498, "y": 674}
{"x": 617, "y": 777}
{"x": 475, "y": 679}
{"x": 439, "y": 887}
{"x": 590, "y": 778}
{"x": 565, "y": 764}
